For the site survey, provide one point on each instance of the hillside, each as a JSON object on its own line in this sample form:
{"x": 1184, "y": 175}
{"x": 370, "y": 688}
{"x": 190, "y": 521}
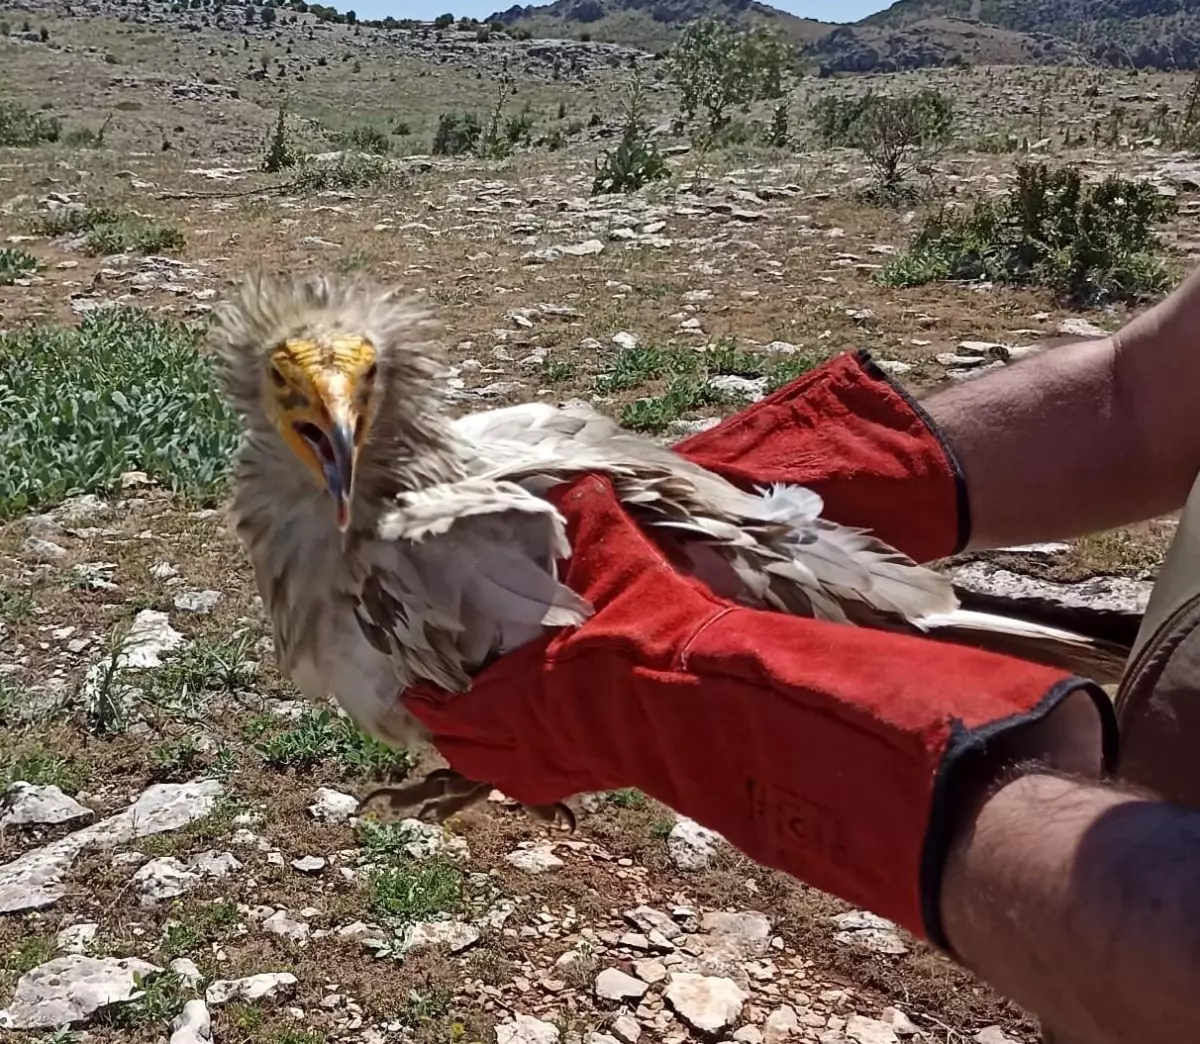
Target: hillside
{"x": 935, "y": 42}
{"x": 651, "y": 24}
{"x": 1158, "y": 34}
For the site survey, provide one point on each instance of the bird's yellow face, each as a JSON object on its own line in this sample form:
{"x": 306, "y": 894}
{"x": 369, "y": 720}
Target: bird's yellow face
{"x": 322, "y": 396}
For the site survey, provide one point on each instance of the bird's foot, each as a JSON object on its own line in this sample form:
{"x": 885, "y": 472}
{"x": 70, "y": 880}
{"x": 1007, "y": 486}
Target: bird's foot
{"x": 556, "y": 815}
{"x": 444, "y": 792}
{"x": 436, "y": 798}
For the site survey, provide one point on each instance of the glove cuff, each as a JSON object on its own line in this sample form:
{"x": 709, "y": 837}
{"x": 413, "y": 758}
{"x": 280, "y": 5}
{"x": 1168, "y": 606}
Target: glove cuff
{"x": 847, "y": 431}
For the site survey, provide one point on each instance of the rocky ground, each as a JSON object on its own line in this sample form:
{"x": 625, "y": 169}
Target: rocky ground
{"x": 182, "y": 849}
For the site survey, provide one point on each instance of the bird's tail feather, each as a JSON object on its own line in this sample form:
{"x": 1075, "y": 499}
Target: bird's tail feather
{"x": 1094, "y": 658}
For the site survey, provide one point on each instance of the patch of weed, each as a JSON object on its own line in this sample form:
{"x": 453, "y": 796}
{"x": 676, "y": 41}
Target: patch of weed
{"x": 15, "y": 264}
{"x": 1088, "y": 244}
{"x": 413, "y": 890}
{"x": 321, "y": 735}
{"x": 122, "y": 391}
{"x": 42, "y": 766}
{"x": 23, "y": 128}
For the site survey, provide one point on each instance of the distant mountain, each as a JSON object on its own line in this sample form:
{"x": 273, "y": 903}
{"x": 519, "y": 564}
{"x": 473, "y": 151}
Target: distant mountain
{"x": 652, "y": 25}
{"x": 1158, "y": 34}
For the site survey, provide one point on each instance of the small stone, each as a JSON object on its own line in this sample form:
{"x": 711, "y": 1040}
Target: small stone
{"x": 200, "y": 602}
{"x": 863, "y": 1030}
{"x": 29, "y": 804}
{"x": 77, "y": 938}
{"x": 992, "y": 1035}
{"x": 309, "y": 864}
{"x": 283, "y": 924}
{"x": 186, "y": 969}
{"x": 870, "y": 931}
{"x": 455, "y": 936}
{"x": 690, "y": 845}
{"x": 748, "y": 1035}
{"x": 707, "y": 1003}
{"x": 150, "y": 637}
{"x": 650, "y": 971}
{"x": 525, "y": 1029}
{"x": 267, "y": 986}
{"x": 625, "y": 340}
{"x": 193, "y": 1025}
{"x": 612, "y": 984}
{"x": 626, "y": 1029}
{"x": 537, "y": 860}
{"x": 782, "y": 1023}
{"x": 900, "y": 1023}
{"x": 332, "y": 806}
{"x": 1076, "y": 327}
{"x": 43, "y": 550}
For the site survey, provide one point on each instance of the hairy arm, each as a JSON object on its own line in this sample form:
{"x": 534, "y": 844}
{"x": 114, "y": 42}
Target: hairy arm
{"x": 1081, "y": 902}
{"x": 1085, "y": 437}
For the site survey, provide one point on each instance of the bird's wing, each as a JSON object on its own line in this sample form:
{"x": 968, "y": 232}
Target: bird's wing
{"x": 457, "y": 573}
{"x": 777, "y": 549}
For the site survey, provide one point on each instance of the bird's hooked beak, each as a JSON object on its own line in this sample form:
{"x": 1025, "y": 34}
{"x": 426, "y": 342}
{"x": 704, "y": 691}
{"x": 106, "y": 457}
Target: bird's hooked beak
{"x": 339, "y": 468}
{"x": 335, "y": 445}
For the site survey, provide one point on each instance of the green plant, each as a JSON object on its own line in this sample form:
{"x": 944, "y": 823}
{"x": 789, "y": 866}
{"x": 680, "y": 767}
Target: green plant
{"x": 345, "y": 172}
{"x": 636, "y": 161}
{"x": 131, "y": 233}
{"x": 278, "y": 155}
{"x": 366, "y": 138}
{"x": 457, "y": 134}
{"x": 412, "y": 890}
{"x": 22, "y": 128}
{"x": 1088, "y": 244}
{"x": 45, "y": 767}
{"x": 319, "y": 735}
{"x": 15, "y": 264}
{"x": 122, "y": 391}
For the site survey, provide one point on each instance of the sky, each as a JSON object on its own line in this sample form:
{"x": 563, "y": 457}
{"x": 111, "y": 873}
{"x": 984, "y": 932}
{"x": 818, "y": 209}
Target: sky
{"x": 823, "y": 10}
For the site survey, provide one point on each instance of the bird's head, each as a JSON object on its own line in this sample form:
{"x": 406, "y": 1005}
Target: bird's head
{"x": 330, "y": 367}
{"x": 323, "y": 394}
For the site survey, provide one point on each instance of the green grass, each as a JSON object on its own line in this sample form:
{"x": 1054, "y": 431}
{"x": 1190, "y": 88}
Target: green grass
{"x": 687, "y": 375}
{"x": 132, "y": 234}
{"x": 163, "y": 997}
{"x": 109, "y": 231}
{"x": 413, "y": 890}
{"x": 320, "y": 736}
{"x": 15, "y": 264}
{"x": 43, "y": 767}
{"x": 123, "y": 391}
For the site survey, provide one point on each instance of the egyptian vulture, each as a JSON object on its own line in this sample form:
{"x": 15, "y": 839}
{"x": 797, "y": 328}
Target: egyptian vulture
{"x": 392, "y": 544}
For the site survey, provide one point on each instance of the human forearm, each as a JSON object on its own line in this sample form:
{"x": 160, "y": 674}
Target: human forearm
{"x": 1081, "y": 902}
{"x": 1084, "y": 437}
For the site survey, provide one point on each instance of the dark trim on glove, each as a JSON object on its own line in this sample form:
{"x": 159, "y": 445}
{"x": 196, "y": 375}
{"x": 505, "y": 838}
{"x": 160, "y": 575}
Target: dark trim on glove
{"x": 962, "y": 501}
{"x": 966, "y": 749}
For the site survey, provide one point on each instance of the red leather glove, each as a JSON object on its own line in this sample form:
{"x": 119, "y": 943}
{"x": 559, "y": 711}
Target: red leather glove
{"x": 827, "y": 751}
{"x": 848, "y": 433}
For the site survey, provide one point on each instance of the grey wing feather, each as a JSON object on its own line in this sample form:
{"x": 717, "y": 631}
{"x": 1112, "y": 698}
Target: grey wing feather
{"x": 775, "y": 542}
{"x": 460, "y": 572}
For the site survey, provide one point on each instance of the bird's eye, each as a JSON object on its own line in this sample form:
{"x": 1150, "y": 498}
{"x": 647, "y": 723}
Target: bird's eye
{"x": 278, "y": 378}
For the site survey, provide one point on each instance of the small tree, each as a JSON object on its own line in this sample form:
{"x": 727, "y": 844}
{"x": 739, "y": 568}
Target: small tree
{"x": 897, "y": 135}
{"x": 443, "y": 21}
{"x": 716, "y": 68}
{"x": 278, "y": 153}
